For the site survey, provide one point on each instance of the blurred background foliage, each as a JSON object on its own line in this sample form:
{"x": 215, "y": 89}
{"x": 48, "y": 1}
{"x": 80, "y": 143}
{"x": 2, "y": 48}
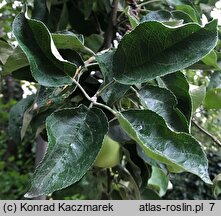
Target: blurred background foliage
{"x": 17, "y": 162}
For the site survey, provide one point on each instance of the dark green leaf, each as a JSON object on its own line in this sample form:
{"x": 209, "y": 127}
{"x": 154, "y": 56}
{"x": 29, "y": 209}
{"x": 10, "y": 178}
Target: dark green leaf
{"x": 5, "y": 51}
{"x": 179, "y": 86}
{"x": 70, "y": 40}
{"x": 94, "y": 42}
{"x": 180, "y": 15}
{"x": 71, "y": 56}
{"x": 145, "y": 158}
{"x": 197, "y": 94}
{"x": 63, "y": 21}
{"x": 40, "y": 11}
{"x": 16, "y": 117}
{"x": 58, "y": 17}
{"x": 78, "y": 22}
{"x": 158, "y": 181}
{"x": 133, "y": 20}
{"x": 47, "y": 65}
{"x": 213, "y": 99}
{"x": 149, "y": 194}
{"x": 189, "y": 10}
{"x": 116, "y": 90}
{"x": 179, "y": 151}
{"x": 153, "y": 49}
{"x": 163, "y": 102}
{"x": 15, "y": 61}
{"x": 85, "y": 7}
{"x": 102, "y": 7}
{"x": 75, "y": 137}
{"x": 117, "y": 133}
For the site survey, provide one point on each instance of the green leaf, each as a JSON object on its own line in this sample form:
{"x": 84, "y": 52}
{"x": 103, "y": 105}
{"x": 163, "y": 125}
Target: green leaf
{"x": 134, "y": 22}
{"x": 117, "y": 133}
{"x": 146, "y": 158}
{"x": 153, "y": 49}
{"x": 180, "y": 15}
{"x": 177, "y": 83}
{"x": 15, "y": 61}
{"x": 85, "y": 7}
{"x": 158, "y": 181}
{"x": 94, "y": 42}
{"x": 72, "y": 56}
{"x": 163, "y": 102}
{"x": 78, "y": 22}
{"x": 213, "y": 99}
{"x": 197, "y": 94}
{"x": 116, "y": 90}
{"x": 70, "y": 40}
{"x": 179, "y": 151}
{"x": 102, "y": 7}
{"x": 75, "y": 137}
{"x": 16, "y": 117}
{"x": 217, "y": 185}
{"x": 47, "y": 65}
{"x": 5, "y": 51}
{"x": 149, "y": 194}
{"x": 63, "y": 20}
{"x": 189, "y": 10}
{"x": 40, "y": 10}
{"x": 211, "y": 60}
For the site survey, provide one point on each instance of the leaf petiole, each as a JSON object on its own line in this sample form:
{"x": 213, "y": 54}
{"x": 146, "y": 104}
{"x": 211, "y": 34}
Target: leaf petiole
{"x": 93, "y": 99}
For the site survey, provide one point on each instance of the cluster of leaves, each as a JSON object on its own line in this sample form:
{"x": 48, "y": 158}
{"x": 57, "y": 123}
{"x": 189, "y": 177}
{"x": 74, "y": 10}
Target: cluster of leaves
{"x": 136, "y": 92}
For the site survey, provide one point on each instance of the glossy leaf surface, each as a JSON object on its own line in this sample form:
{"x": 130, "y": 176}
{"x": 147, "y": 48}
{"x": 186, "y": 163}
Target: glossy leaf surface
{"x": 163, "y": 102}
{"x": 179, "y": 86}
{"x": 75, "y": 137}
{"x": 153, "y": 49}
{"x": 47, "y": 65}
{"x": 179, "y": 151}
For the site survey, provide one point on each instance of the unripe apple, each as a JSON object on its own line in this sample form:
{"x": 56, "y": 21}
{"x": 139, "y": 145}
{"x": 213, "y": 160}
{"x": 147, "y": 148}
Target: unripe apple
{"x": 109, "y": 154}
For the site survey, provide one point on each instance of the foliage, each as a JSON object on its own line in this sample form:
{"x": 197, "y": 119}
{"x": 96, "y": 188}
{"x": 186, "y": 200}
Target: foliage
{"x": 16, "y": 163}
{"x": 121, "y": 68}
{"x": 189, "y": 187}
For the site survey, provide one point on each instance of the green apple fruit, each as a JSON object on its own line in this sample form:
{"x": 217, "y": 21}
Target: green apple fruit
{"x": 109, "y": 155}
